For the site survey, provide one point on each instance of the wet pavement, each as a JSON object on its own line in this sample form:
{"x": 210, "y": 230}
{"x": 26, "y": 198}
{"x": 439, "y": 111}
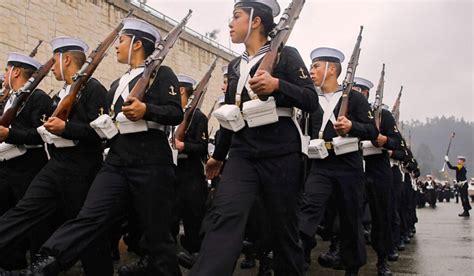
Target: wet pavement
{"x": 443, "y": 245}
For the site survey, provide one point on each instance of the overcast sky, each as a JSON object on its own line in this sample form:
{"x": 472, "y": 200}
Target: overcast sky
{"x": 427, "y": 46}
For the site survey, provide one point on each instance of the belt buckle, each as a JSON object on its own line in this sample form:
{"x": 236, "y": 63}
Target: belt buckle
{"x": 328, "y": 145}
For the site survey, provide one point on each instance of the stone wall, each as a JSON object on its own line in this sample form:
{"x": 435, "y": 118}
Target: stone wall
{"x": 24, "y": 22}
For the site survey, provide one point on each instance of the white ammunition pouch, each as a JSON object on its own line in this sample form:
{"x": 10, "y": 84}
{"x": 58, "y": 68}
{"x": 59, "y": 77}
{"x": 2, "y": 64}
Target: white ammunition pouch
{"x": 104, "y": 126}
{"x": 125, "y": 126}
{"x": 369, "y": 149}
{"x": 9, "y": 151}
{"x": 256, "y": 113}
{"x": 259, "y": 113}
{"x": 344, "y": 145}
{"x": 58, "y": 141}
{"x": 229, "y": 117}
{"x": 317, "y": 149}
{"x": 305, "y": 140}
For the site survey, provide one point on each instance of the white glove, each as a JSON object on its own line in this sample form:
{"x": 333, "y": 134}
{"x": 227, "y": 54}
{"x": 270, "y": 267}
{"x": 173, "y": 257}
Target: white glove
{"x": 446, "y": 158}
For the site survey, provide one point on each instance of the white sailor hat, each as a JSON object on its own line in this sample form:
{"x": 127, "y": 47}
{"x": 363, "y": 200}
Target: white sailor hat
{"x": 327, "y": 54}
{"x": 363, "y": 82}
{"x": 64, "y": 43}
{"x": 185, "y": 80}
{"x": 224, "y": 70}
{"x": 18, "y": 58}
{"x": 429, "y": 175}
{"x": 140, "y": 28}
{"x": 270, "y": 6}
{"x": 221, "y": 99}
{"x": 462, "y": 157}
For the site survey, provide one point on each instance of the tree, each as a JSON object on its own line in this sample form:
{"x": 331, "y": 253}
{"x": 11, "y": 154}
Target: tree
{"x": 426, "y": 159}
{"x": 431, "y": 138}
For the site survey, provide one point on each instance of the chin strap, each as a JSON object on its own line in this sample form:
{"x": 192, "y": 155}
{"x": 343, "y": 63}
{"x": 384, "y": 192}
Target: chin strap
{"x": 325, "y": 75}
{"x": 61, "y": 66}
{"x": 10, "y": 78}
{"x": 250, "y": 24}
{"x": 129, "y": 61}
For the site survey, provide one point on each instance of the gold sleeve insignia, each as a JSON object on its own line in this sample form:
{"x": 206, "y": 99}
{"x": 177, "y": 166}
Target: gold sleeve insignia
{"x": 172, "y": 92}
{"x": 302, "y": 74}
{"x": 370, "y": 115}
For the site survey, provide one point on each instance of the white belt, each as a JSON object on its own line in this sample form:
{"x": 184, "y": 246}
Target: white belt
{"x": 183, "y": 156}
{"x": 155, "y": 125}
{"x": 284, "y": 111}
{"x": 33, "y": 146}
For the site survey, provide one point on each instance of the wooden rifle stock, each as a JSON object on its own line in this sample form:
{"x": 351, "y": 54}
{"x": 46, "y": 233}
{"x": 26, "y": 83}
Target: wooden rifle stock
{"x": 379, "y": 98}
{"x": 280, "y": 35}
{"x": 396, "y": 106}
{"x": 193, "y": 102}
{"x": 213, "y": 108}
{"x": 85, "y": 73}
{"x": 5, "y": 93}
{"x": 201, "y": 98}
{"x": 153, "y": 62}
{"x": 349, "y": 79}
{"x": 35, "y": 50}
{"x": 25, "y": 92}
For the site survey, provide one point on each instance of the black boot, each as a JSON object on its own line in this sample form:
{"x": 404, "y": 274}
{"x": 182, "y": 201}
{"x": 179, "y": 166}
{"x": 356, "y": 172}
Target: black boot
{"x": 393, "y": 256}
{"x": 401, "y": 245}
{"x": 265, "y": 266}
{"x": 464, "y": 214}
{"x": 44, "y": 265}
{"x": 248, "y": 263}
{"x": 139, "y": 267}
{"x": 329, "y": 258}
{"x": 308, "y": 244}
{"x": 382, "y": 268}
{"x": 248, "y": 249}
{"x": 406, "y": 239}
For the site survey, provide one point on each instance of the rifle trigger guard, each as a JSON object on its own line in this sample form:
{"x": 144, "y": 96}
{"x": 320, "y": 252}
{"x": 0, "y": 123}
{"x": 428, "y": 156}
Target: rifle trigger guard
{"x": 275, "y": 31}
{"x": 78, "y": 75}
